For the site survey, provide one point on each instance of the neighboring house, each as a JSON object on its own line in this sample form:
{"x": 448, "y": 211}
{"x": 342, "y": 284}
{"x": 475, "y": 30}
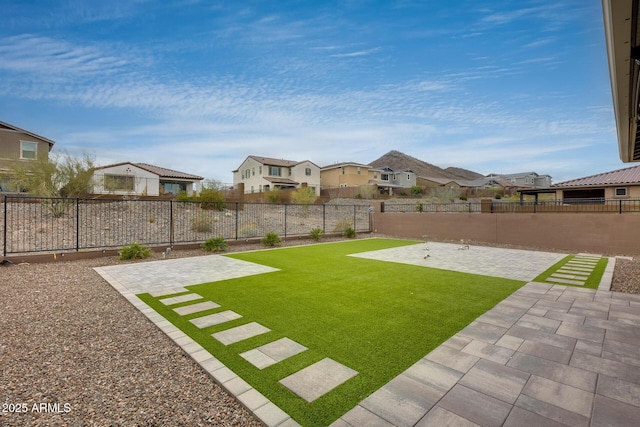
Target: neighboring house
{"x": 617, "y": 184}
{"x": 430, "y": 182}
{"x": 19, "y": 145}
{"x": 262, "y": 174}
{"x": 529, "y": 179}
{"x": 143, "y": 180}
{"x": 347, "y": 174}
{"x": 391, "y": 179}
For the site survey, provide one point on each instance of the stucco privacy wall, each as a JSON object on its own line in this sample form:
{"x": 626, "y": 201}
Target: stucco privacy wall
{"x": 605, "y": 233}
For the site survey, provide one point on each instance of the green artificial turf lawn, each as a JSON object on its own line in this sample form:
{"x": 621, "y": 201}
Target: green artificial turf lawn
{"x": 592, "y": 282}
{"x": 375, "y": 317}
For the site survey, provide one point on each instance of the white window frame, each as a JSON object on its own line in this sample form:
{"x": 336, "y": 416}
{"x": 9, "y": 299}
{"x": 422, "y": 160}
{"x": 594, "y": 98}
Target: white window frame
{"x": 22, "y": 150}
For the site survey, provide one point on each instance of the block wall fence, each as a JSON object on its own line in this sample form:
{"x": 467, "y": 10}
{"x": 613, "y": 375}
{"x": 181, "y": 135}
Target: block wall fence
{"x": 601, "y": 233}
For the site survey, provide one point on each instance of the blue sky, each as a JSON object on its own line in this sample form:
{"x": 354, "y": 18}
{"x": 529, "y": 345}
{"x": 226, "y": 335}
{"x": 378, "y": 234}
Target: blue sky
{"x": 198, "y": 86}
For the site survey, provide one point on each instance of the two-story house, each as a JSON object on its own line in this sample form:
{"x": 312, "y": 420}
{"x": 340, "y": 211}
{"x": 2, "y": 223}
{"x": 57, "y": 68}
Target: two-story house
{"x": 19, "y": 145}
{"x": 530, "y": 179}
{"x": 262, "y": 174}
{"x": 347, "y": 174}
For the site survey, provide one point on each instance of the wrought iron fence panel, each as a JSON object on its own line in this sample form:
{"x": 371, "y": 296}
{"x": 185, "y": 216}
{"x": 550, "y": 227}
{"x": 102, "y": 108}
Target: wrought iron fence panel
{"x": 34, "y": 224}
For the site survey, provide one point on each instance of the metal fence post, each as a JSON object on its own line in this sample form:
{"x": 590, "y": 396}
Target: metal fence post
{"x": 237, "y": 214}
{"x": 4, "y": 229}
{"x": 285, "y": 220}
{"x": 355, "y": 226}
{"x": 77, "y": 224}
{"x": 171, "y": 224}
{"x": 324, "y": 218}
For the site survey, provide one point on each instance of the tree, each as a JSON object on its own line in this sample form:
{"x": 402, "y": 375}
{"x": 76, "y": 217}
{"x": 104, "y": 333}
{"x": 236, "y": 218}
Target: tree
{"x": 56, "y": 177}
{"x": 367, "y": 191}
{"x": 53, "y": 176}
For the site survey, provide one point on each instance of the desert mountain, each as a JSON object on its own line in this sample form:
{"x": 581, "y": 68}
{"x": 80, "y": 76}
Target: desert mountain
{"x": 397, "y": 160}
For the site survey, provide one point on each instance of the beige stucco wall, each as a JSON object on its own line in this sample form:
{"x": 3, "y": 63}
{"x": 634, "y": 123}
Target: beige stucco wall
{"x": 602, "y": 233}
{"x": 145, "y": 182}
{"x": 350, "y": 178}
{"x": 257, "y": 173}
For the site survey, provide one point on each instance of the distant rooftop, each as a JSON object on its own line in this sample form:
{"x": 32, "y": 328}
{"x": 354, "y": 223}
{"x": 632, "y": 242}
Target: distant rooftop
{"x": 617, "y": 177}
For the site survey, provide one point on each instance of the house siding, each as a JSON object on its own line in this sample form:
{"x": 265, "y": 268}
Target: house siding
{"x": 252, "y": 173}
{"x": 145, "y": 182}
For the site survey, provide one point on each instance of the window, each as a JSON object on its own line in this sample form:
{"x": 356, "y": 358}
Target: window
{"x": 274, "y": 171}
{"x": 259, "y": 170}
{"x": 289, "y": 171}
{"x": 343, "y": 170}
{"x": 118, "y": 183}
{"x": 375, "y": 175}
{"x": 621, "y": 192}
{"x": 384, "y": 177}
{"x": 408, "y": 177}
{"x": 253, "y": 172}
{"x": 28, "y": 150}
{"x": 307, "y": 171}
{"x": 358, "y": 170}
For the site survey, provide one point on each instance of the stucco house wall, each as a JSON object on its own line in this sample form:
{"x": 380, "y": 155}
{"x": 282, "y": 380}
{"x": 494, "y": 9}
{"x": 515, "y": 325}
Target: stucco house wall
{"x": 144, "y": 182}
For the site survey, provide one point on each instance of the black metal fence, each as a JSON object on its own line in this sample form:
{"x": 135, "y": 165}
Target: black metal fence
{"x": 618, "y": 206}
{"x": 33, "y": 224}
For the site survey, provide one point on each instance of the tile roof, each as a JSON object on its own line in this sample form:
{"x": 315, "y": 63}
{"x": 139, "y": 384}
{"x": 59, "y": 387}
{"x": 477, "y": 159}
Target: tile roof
{"x": 168, "y": 173}
{"x": 629, "y": 175}
{"x": 161, "y": 172}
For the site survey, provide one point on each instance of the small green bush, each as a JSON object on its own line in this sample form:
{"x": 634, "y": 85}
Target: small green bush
{"x": 215, "y": 244}
{"x": 419, "y": 207}
{"x": 316, "y": 234}
{"x": 463, "y": 197}
{"x": 271, "y": 239}
{"x": 211, "y": 199}
{"x": 341, "y": 226}
{"x": 274, "y": 196}
{"x": 248, "y": 229}
{"x": 416, "y": 190}
{"x": 349, "y": 232}
{"x": 498, "y": 196}
{"x": 134, "y": 251}
{"x": 202, "y": 224}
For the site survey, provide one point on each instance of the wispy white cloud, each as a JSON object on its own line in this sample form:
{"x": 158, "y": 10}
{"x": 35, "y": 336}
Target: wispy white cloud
{"x": 356, "y": 53}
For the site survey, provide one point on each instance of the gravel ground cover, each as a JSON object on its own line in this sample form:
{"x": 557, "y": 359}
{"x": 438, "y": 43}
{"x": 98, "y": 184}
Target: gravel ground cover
{"x": 69, "y": 341}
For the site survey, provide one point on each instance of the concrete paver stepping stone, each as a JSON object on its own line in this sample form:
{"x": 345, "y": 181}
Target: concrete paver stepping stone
{"x": 168, "y": 291}
{"x": 215, "y": 319}
{"x": 272, "y": 353}
{"x": 196, "y": 308}
{"x": 318, "y": 379}
{"x": 240, "y": 333}
{"x": 179, "y": 299}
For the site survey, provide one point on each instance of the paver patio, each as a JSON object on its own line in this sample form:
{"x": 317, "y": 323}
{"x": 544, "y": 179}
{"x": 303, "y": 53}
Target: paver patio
{"x": 546, "y": 355}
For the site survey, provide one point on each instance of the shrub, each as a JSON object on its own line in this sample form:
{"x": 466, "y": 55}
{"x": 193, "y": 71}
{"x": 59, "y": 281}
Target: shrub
{"x": 416, "y": 190}
{"x": 202, "y": 224}
{"x": 419, "y": 207}
{"x": 342, "y": 225}
{"x": 367, "y": 191}
{"x": 212, "y": 199}
{"x": 498, "y": 196}
{"x": 215, "y": 244}
{"x": 463, "y": 197}
{"x": 134, "y": 251}
{"x": 316, "y": 234}
{"x": 271, "y": 239}
{"x": 248, "y": 229}
{"x": 349, "y": 232}
{"x": 304, "y": 196}
{"x": 274, "y": 196}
